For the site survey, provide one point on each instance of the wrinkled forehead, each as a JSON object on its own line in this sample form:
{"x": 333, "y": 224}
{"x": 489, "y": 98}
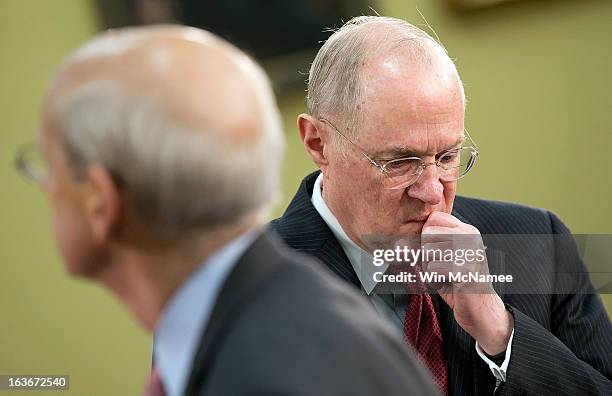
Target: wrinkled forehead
{"x": 416, "y": 103}
{"x": 386, "y": 144}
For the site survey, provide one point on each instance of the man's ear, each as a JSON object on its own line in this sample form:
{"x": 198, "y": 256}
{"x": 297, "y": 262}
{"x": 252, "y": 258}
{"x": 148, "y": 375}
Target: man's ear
{"x": 313, "y": 139}
{"x": 102, "y": 204}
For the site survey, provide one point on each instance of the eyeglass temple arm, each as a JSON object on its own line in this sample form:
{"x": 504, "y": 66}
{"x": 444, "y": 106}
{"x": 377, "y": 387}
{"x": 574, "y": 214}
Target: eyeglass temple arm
{"x": 376, "y": 164}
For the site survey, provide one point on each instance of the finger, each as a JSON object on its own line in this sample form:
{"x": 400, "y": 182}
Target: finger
{"x": 435, "y": 251}
{"x": 442, "y": 219}
{"x": 445, "y": 267}
{"x": 438, "y": 267}
{"x": 410, "y": 242}
{"x": 433, "y": 234}
{"x": 436, "y": 274}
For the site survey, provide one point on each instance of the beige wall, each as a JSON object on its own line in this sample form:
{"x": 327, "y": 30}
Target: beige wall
{"x": 50, "y": 324}
{"x": 537, "y": 75}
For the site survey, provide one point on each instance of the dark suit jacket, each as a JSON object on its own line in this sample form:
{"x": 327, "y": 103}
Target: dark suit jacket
{"x": 285, "y": 326}
{"x": 562, "y": 342}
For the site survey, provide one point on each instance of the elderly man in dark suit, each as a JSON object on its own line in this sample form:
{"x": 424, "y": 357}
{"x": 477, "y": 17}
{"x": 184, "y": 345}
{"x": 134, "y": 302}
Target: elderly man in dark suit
{"x": 162, "y": 147}
{"x": 386, "y": 129}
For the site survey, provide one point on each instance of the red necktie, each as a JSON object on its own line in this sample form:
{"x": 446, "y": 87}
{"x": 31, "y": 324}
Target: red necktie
{"x": 155, "y": 386}
{"x": 422, "y": 331}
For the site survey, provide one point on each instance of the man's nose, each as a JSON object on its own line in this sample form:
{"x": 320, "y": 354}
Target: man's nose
{"x": 428, "y": 188}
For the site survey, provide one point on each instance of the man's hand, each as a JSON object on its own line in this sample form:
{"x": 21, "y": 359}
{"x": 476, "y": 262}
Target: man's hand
{"x": 476, "y": 306}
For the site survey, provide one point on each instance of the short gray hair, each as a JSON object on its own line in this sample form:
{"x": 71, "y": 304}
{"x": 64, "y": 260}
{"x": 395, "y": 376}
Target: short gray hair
{"x": 334, "y": 83}
{"x": 175, "y": 178}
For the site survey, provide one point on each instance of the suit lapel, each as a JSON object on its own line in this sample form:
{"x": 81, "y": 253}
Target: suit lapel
{"x": 257, "y": 264}
{"x": 303, "y": 229}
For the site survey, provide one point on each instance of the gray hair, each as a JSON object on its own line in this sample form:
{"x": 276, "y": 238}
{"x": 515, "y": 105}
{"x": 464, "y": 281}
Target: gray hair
{"x": 334, "y": 83}
{"x": 176, "y": 178}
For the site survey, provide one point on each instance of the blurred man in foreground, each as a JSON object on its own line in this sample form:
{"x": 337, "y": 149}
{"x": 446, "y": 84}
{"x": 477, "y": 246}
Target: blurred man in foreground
{"x": 162, "y": 147}
{"x": 386, "y": 129}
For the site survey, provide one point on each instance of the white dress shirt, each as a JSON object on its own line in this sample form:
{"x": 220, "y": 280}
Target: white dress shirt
{"x": 179, "y": 330}
{"x": 393, "y": 312}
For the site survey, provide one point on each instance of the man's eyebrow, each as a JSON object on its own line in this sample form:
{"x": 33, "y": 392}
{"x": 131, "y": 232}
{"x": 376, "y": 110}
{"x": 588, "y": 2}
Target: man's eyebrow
{"x": 456, "y": 144}
{"x": 395, "y": 152}
{"x": 405, "y": 151}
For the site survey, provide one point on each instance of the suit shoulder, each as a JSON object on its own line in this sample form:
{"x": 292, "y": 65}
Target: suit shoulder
{"x": 305, "y": 311}
{"x": 492, "y": 217}
{"x": 273, "y": 225}
{"x": 479, "y": 203}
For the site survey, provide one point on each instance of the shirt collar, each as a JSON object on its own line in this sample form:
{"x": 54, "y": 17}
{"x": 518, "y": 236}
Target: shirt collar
{"x": 180, "y": 328}
{"x": 356, "y": 255}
